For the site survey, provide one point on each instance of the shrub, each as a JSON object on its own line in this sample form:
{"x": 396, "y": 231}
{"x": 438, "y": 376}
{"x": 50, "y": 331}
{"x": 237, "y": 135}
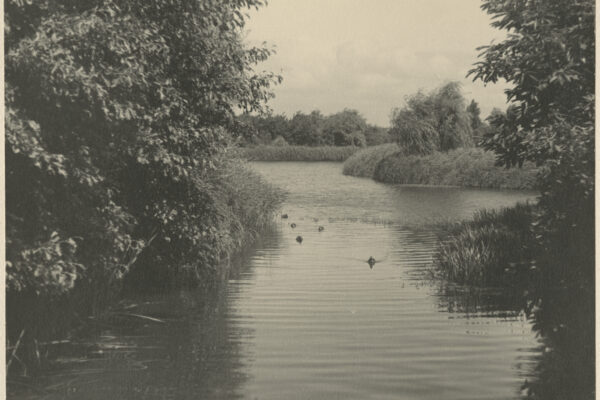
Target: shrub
{"x": 363, "y": 162}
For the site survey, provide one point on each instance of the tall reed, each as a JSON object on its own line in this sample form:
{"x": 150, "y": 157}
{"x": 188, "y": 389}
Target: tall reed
{"x": 297, "y": 153}
{"x": 364, "y": 162}
{"x": 493, "y": 249}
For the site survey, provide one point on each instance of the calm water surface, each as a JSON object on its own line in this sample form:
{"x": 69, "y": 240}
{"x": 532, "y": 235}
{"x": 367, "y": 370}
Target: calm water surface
{"x": 312, "y": 320}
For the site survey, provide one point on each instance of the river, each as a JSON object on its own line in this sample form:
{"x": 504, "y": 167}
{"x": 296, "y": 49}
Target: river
{"x": 312, "y": 320}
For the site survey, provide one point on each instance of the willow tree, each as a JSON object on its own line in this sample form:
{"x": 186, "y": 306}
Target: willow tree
{"x": 437, "y": 121}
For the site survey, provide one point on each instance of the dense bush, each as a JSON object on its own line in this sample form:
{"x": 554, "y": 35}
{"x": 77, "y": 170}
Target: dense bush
{"x": 363, "y": 162}
{"x": 551, "y": 118}
{"x": 297, "y": 153}
{"x": 437, "y": 121}
{"x": 117, "y": 119}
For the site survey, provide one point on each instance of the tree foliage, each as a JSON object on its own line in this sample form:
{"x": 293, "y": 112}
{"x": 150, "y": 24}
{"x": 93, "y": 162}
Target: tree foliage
{"x": 434, "y": 121}
{"x": 345, "y": 128}
{"x": 549, "y": 60}
{"x": 475, "y": 114}
{"x": 116, "y": 118}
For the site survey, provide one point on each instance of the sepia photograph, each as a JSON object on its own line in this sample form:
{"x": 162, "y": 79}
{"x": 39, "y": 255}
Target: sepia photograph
{"x": 299, "y": 200}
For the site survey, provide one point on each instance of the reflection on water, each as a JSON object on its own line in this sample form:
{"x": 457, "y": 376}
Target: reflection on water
{"x": 312, "y": 320}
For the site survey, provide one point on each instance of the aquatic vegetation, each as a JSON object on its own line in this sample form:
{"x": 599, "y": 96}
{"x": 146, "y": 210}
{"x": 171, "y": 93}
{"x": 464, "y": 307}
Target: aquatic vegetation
{"x": 493, "y": 249}
{"x": 363, "y": 162}
{"x": 298, "y": 153}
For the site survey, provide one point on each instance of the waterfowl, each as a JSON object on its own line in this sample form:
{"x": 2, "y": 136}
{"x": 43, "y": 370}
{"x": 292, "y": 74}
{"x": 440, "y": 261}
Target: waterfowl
{"x": 299, "y": 239}
{"x": 284, "y": 216}
{"x": 371, "y": 261}
{"x": 293, "y": 225}
{"x": 321, "y": 228}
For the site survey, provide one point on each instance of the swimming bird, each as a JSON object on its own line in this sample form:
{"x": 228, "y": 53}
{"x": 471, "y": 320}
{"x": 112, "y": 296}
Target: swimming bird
{"x": 371, "y": 261}
{"x": 299, "y": 239}
{"x": 284, "y": 216}
{"x": 293, "y": 225}
{"x": 321, "y": 228}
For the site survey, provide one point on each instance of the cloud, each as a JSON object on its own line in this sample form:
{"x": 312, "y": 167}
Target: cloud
{"x": 371, "y": 55}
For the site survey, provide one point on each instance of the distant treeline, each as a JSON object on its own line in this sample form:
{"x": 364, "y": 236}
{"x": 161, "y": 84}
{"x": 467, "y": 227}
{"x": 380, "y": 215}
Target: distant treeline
{"x": 345, "y": 128}
{"x": 440, "y": 120}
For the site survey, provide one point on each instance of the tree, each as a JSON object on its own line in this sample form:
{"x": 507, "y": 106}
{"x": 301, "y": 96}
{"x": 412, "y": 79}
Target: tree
{"x": 116, "y": 119}
{"x": 414, "y": 135}
{"x": 307, "y": 129}
{"x": 474, "y": 113}
{"x": 436, "y": 121}
{"x": 549, "y": 60}
{"x": 376, "y": 135}
{"x": 345, "y": 128}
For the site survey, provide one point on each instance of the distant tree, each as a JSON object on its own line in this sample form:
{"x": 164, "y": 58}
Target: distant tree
{"x": 345, "y": 128}
{"x": 474, "y": 112}
{"x": 260, "y": 129}
{"x": 436, "y": 121}
{"x": 413, "y": 134}
{"x": 453, "y": 122}
{"x": 376, "y": 135}
{"x": 279, "y": 141}
{"x": 307, "y": 129}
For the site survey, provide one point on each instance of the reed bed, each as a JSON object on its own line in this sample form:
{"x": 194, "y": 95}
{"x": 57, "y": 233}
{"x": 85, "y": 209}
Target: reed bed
{"x": 364, "y": 162}
{"x": 297, "y": 153}
{"x": 494, "y": 249}
{"x": 466, "y": 167}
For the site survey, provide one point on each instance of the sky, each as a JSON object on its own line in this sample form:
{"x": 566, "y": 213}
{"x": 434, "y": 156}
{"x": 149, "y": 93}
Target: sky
{"x": 369, "y": 55}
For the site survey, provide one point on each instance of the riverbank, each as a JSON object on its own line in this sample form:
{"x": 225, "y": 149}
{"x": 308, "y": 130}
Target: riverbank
{"x": 244, "y": 205}
{"x": 466, "y": 167}
{"x": 297, "y": 153}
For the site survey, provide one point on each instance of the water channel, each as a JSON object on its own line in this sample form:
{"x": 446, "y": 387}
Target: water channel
{"x": 312, "y": 320}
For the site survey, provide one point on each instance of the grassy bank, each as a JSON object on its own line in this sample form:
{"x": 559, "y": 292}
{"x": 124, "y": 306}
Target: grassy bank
{"x": 297, "y": 153}
{"x": 468, "y": 167}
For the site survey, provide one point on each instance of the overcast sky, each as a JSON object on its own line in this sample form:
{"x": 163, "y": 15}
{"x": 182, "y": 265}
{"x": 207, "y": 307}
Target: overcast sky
{"x": 369, "y": 54}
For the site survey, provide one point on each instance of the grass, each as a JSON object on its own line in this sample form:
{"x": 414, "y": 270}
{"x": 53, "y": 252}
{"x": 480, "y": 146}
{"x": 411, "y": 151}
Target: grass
{"x": 494, "y": 249}
{"x": 467, "y": 167}
{"x": 297, "y": 153}
{"x": 364, "y": 162}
